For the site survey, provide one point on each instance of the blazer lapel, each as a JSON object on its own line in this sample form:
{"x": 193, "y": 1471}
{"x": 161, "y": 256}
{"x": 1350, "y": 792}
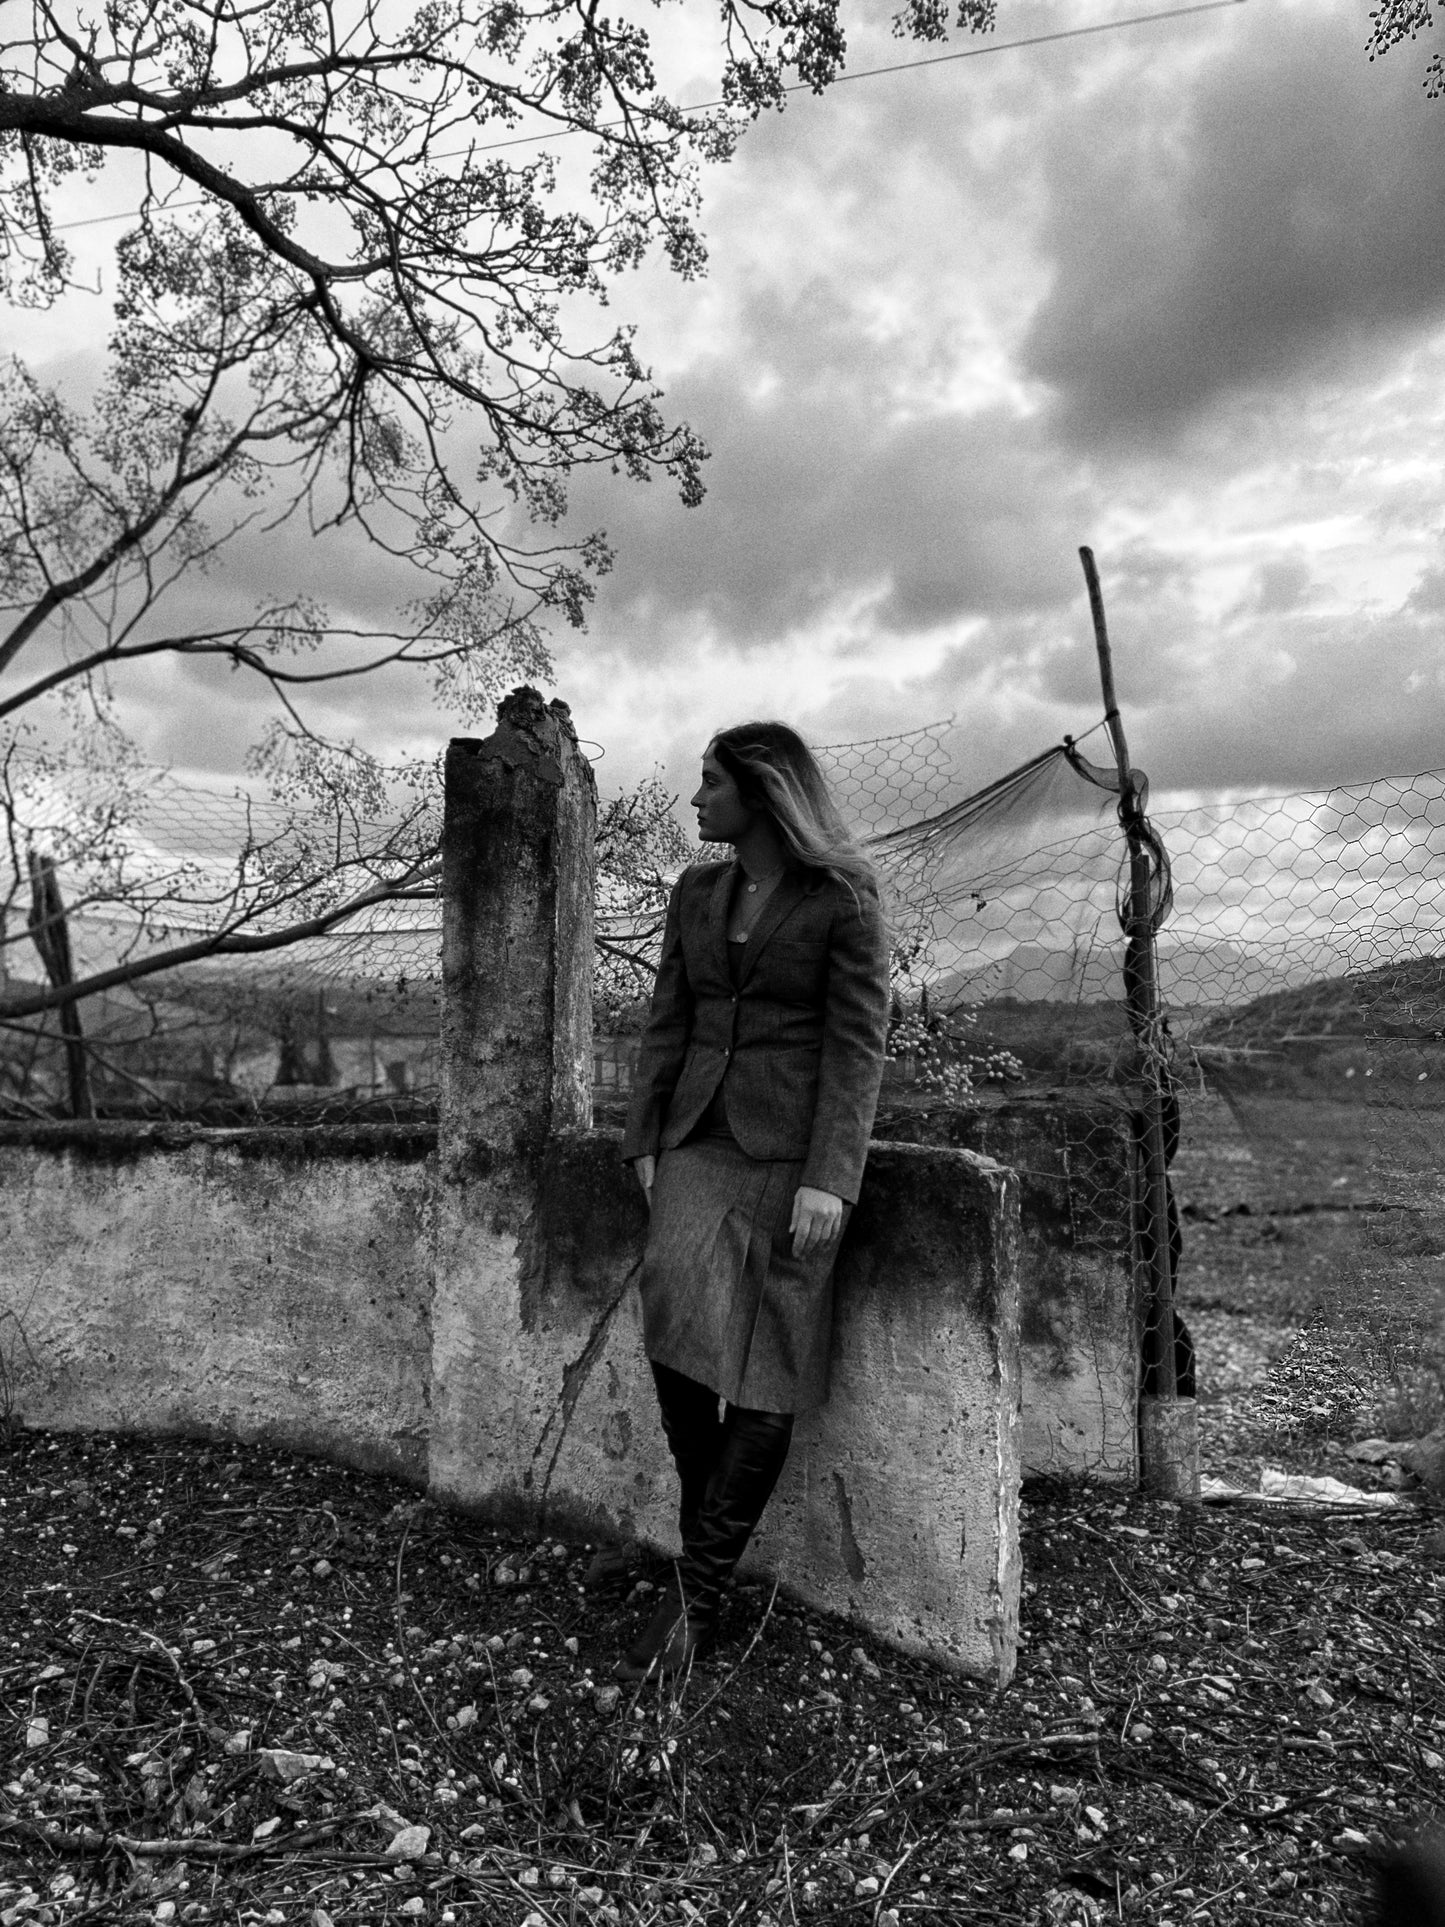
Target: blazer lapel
{"x": 787, "y": 895}
{"x": 717, "y": 916}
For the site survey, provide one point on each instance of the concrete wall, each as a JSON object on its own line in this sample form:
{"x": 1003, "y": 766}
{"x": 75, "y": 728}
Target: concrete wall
{"x": 264, "y": 1284}
{"x": 278, "y": 1285}
{"x": 129, "y": 1248}
{"x": 1080, "y": 1302}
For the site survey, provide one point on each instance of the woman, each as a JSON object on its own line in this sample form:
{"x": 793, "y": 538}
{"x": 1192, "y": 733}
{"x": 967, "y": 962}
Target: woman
{"x": 753, "y": 1099}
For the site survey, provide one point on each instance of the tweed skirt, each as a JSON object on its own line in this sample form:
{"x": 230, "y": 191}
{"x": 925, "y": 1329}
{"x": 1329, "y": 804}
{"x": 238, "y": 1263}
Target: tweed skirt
{"x": 723, "y": 1298}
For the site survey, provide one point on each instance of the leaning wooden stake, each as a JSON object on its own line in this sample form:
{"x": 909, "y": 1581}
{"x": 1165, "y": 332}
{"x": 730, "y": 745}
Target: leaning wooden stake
{"x": 51, "y": 936}
{"x": 1168, "y": 1425}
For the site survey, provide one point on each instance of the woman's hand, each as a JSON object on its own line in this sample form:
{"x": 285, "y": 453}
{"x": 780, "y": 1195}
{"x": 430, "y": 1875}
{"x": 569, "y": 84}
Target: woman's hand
{"x": 817, "y": 1220}
{"x": 646, "y": 1169}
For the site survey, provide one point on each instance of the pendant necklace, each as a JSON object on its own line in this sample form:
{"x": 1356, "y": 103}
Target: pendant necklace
{"x": 752, "y": 891}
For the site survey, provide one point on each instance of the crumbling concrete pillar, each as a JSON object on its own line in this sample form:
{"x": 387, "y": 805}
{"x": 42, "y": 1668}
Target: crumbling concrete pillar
{"x": 517, "y": 860}
{"x": 518, "y": 879}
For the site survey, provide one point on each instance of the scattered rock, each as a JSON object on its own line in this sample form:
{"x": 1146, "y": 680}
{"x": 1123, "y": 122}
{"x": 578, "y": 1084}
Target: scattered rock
{"x": 409, "y": 1844}
{"x": 288, "y": 1767}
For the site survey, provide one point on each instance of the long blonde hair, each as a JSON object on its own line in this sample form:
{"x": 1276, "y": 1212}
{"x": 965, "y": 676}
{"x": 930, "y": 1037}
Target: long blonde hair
{"x": 775, "y": 771}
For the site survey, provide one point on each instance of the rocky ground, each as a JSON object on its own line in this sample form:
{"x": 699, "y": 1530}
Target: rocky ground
{"x": 243, "y": 1687}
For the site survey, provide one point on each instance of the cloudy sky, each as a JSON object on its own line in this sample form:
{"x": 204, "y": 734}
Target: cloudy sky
{"x": 1176, "y": 291}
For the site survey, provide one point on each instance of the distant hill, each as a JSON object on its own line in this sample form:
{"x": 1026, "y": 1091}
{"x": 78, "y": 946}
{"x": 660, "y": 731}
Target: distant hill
{"x": 1191, "y": 974}
{"x": 1396, "y": 1000}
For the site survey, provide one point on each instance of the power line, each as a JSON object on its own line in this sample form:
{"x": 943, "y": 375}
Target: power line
{"x": 797, "y": 87}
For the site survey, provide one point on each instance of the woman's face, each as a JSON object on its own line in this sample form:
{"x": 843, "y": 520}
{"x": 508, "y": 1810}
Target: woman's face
{"x": 722, "y": 815}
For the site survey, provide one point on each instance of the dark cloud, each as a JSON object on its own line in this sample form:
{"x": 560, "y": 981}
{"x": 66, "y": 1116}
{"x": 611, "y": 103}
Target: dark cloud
{"x": 1428, "y": 595}
{"x": 1301, "y": 703}
{"x": 1272, "y": 210}
{"x": 825, "y": 490}
{"x": 1279, "y": 585}
{"x": 1251, "y": 699}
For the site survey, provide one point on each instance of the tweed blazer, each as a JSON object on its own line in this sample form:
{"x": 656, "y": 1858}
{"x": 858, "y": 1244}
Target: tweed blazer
{"x": 797, "y": 1048}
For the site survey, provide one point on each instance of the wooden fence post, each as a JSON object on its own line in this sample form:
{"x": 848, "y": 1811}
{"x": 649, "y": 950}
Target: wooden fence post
{"x": 51, "y": 935}
{"x": 1168, "y": 1425}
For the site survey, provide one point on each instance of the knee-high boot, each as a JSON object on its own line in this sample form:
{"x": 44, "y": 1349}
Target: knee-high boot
{"x": 693, "y": 1431}
{"x": 694, "y": 1435}
{"x": 754, "y": 1449}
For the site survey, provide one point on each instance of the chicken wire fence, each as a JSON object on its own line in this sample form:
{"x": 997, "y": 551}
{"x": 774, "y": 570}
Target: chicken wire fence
{"x": 1301, "y": 969}
{"x": 105, "y": 868}
{"x": 1302, "y": 964}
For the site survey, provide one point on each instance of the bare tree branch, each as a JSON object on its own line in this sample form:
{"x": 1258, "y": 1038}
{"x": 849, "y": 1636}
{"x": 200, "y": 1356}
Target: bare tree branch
{"x": 224, "y": 943}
